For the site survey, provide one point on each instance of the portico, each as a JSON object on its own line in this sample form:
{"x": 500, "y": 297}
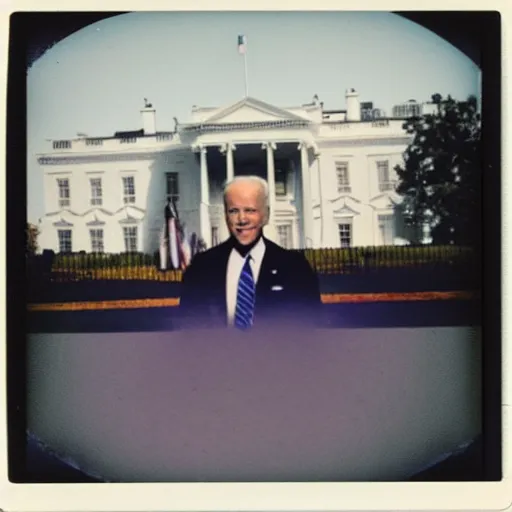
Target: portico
{"x": 286, "y": 167}
{"x": 252, "y": 137}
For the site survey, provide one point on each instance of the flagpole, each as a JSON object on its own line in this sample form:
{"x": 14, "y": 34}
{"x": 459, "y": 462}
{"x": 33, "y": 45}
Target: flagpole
{"x": 242, "y": 50}
{"x": 246, "y": 76}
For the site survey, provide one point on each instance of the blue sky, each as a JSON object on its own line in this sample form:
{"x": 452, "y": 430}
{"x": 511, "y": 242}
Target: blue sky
{"x": 95, "y": 80}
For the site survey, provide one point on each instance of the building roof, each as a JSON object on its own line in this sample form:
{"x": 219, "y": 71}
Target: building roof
{"x": 117, "y": 135}
{"x": 258, "y": 105}
{"x": 264, "y": 115}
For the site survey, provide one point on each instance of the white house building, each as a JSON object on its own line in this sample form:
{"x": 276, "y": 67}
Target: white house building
{"x": 412, "y": 108}
{"x": 330, "y": 176}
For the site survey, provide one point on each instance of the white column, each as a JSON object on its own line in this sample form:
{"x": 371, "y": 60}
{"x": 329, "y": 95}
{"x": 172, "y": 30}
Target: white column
{"x": 270, "y": 229}
{"x": 295, "y": 233}
{"x": 307, "y": 205}
{"x": 319, "y": 237}
{"x": 230, "y": 165}
{"x": 227, "y": 150}
{"x": 204, "y": 204}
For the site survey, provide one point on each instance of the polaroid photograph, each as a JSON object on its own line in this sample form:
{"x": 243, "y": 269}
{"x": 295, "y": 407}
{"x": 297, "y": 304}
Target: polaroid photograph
{"x": 254, "y": 257}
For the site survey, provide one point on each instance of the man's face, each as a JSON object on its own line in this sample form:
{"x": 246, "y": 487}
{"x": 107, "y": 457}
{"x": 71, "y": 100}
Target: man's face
{"x": 246, "y": 213}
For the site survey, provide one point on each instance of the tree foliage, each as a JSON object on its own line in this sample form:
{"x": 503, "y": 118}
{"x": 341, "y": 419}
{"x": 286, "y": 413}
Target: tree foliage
{"x": 440, "y": 180}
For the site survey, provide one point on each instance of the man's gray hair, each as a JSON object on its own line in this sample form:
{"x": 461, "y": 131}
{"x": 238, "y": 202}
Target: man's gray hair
{"x": 251, "y": 179}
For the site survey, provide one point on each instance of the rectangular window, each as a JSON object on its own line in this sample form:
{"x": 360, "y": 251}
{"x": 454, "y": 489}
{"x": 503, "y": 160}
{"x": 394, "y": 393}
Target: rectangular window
{"x": 61, "y": 144}
{"x": 342, "y": 178}
{"x": 128, "y": 189}
{"x": 96, "y": 192}
{"x": 284, "y": 233}
{"x": 387, "y": 229}
{"x": 172, "y": 186}
{"x": 93, "y": 142}
{"x": 345, "y": 233}
{"x": 280, "y": 177}
{"x": 385, "y": 181}
{"x": 97, "y": 240}
{"x": 65, "y": 242}
{"x": 64, "y": 193}
{"x": 130, "y": 239}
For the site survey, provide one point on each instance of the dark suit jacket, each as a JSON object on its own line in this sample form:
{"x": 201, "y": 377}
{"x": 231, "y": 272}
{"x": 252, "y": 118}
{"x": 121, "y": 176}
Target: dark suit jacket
{"x": 287, "y": 291}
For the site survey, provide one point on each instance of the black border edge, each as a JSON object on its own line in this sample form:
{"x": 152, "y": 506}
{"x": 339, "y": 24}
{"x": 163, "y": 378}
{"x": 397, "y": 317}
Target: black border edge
{"x": 16, "y": 180}
{"x": 16, "y": 186}
{"x": 492, "y": 177}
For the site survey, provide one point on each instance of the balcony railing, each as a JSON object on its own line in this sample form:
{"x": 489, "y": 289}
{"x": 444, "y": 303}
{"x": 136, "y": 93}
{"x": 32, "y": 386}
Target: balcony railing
{"x": 378, "y": 127}
{"x": 105, "y": 144}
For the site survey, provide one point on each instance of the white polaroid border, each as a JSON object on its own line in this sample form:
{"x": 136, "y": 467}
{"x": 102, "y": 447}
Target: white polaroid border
{"x": 265, "y": 496}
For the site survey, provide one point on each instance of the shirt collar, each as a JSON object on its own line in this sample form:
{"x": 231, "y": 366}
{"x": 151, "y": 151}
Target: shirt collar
{"x": 258, "y": 251}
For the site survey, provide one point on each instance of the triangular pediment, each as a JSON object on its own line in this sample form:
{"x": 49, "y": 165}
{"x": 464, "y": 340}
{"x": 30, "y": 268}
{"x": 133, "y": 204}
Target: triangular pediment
{"x": 129, "y": 214}
{"x": 386, "y": 200}
{"x": 346, "y": 205}
{"x": 345, "y": 210}
{"x": 96, "y": 219}
{"x": 128, "y": 220}
{"x": 63, "y": 223}
{"x": 346, "y": 198}
{"x": 70, "y": 213}
{"x": 251, "y": 110}
{"x": 130, "y": 209}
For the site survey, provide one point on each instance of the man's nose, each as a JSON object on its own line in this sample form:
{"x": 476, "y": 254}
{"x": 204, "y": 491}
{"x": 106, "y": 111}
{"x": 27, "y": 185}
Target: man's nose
{"x": 242, "y": 217}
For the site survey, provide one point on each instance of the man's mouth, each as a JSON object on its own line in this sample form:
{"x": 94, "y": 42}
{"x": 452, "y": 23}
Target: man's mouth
{"x": 244, "y": 229}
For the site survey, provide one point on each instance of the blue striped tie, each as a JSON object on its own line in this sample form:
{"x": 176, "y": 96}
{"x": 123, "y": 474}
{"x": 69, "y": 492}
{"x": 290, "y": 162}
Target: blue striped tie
{"x": 245, "y": 298}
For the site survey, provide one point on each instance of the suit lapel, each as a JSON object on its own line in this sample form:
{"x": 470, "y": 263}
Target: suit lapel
{"x": 220, "y": 280}
{"x": 267, "y": 265}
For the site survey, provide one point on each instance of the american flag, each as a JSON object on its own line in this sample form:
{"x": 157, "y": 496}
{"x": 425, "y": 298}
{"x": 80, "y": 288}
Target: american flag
{"x": 242, "y": 44}
{"x": 175, "y": 249}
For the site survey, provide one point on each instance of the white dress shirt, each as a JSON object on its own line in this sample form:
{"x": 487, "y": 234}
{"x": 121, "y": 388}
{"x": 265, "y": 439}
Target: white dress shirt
{"x": 235, "y": 265}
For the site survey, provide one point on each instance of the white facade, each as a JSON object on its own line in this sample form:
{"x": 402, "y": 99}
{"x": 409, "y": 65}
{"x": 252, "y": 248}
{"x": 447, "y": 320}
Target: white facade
{"x": 330, "y": 176}
{"x": 412, "y": 108}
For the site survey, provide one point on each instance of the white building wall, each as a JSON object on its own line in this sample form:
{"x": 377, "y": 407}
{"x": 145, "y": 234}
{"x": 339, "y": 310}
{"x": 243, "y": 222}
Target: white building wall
{"x": 81, "y": 211}
{"x": 391, "y": 154}
{"x": 335, "y": 117}
{"x": 362, "y": 205}
{"x": 429, "y": 108}
{"x": 330, "y": 142}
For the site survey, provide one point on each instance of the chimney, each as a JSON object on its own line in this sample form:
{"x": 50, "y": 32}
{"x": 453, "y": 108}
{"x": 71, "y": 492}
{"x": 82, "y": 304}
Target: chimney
{"x": 148, "y": 119}
{"x": 352, "y": 103}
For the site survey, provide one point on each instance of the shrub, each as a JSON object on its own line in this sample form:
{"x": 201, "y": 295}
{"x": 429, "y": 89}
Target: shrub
{"x": 67, "y": 267}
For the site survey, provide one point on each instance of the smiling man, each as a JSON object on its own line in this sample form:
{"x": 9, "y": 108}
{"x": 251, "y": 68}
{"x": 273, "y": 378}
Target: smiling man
{"x": 248, "y": 281}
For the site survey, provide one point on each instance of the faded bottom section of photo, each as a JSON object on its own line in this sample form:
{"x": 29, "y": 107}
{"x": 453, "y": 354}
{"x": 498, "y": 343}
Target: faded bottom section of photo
{"x": 333, "y": 405}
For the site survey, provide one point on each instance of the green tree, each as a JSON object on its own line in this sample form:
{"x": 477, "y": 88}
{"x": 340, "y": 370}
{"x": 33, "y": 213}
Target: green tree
{"x": 440, "y": 181}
